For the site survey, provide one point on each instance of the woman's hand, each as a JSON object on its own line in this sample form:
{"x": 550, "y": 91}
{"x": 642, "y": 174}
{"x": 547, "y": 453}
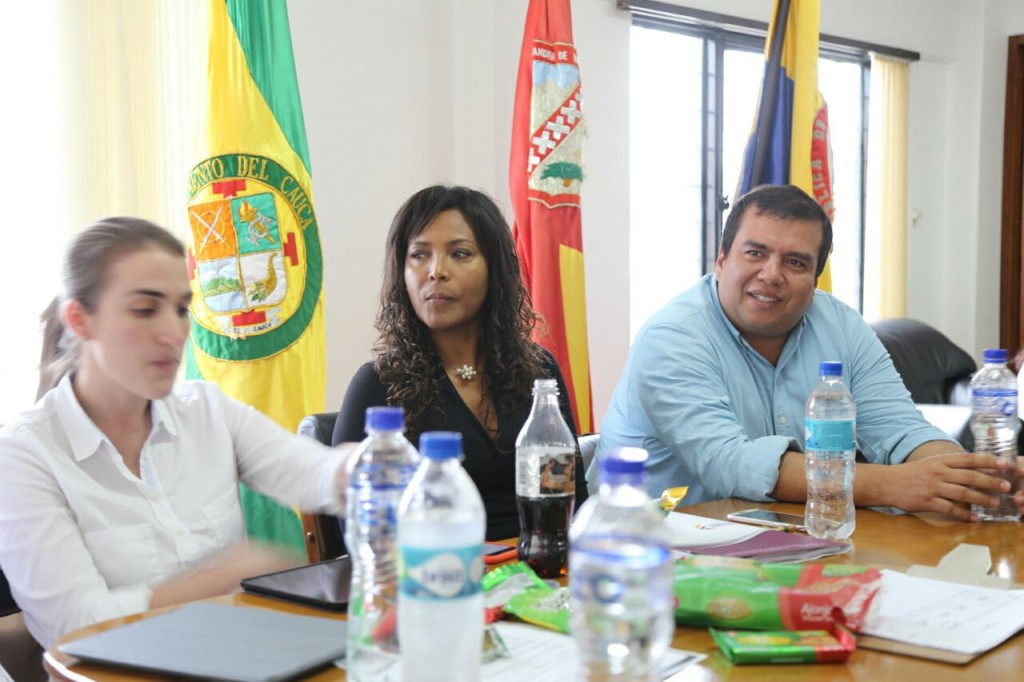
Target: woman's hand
{"x": 341, "y": 475}
{"x": 222, "y": 573}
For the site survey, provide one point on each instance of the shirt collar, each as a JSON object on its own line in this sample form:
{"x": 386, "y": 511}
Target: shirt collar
{"x": 162, "y": 418}
{"x": 84, "y": 436}
{"x": 712, "y": 285}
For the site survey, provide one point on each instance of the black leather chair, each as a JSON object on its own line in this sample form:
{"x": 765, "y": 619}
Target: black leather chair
{"x": 935, "y": 370}
{"x": 20, "y": 655}
{"x": 7, "y": 603}
{"x": 326, "y": 532}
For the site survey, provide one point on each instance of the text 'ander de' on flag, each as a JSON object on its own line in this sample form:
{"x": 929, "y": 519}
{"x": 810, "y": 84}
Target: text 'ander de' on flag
{"x": 545, "y": 177}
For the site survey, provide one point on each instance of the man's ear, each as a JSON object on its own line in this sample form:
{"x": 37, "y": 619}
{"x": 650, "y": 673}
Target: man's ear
{"x": 75, "y": 317}
{"x": 718, "y": 261}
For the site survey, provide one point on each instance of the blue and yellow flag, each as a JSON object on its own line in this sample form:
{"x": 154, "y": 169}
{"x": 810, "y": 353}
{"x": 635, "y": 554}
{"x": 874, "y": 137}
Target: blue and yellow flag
{"x": 789, "y": 143}
{"x": 254, "y": 259}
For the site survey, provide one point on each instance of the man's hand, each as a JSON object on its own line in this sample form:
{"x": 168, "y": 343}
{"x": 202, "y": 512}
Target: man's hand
{"x": 948, "y": 484}
{"x": 1018, "y": 496}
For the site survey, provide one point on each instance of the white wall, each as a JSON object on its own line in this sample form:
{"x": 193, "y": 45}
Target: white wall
{"x": 376, "y": 89}
{"x": 399, "y": 94}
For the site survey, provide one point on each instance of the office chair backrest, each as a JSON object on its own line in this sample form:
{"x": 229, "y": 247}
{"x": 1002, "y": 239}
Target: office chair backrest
{"x": 7, "y": 603}
{"x": 933, "y": 368}
{"x": 325, "y": 533}
{"x": 588, "y": 446}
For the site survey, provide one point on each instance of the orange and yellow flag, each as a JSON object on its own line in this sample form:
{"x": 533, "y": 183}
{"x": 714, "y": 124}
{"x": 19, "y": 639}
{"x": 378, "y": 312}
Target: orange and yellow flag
{"x": 545, "y": 176}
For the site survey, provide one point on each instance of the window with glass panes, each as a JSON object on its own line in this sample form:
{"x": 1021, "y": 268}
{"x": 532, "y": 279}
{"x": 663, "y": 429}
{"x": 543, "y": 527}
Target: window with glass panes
{"x": 693, "y": 91}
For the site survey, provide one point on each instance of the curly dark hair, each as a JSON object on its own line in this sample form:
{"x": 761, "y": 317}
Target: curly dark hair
{"x": 406, "y": 360}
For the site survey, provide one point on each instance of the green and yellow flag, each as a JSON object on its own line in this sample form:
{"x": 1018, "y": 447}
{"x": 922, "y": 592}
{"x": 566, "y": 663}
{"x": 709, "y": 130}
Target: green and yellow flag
{"x": 254, "y": 259}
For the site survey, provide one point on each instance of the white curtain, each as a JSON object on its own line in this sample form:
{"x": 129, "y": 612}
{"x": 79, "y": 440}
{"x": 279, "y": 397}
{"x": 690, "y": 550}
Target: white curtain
{"x": 99, "y": 108}
{"x": 885, "y": 279}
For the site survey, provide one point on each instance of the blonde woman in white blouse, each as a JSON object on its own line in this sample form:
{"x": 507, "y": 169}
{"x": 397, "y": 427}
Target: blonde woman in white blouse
{"x": 118, "y": 490}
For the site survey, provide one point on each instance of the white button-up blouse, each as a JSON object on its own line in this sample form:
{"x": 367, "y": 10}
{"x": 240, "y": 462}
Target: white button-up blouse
{"x": 82, "y": 539}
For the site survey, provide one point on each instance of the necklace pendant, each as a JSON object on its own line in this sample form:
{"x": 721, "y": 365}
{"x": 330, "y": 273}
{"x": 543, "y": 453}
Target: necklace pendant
{"x": 466, "y": 372}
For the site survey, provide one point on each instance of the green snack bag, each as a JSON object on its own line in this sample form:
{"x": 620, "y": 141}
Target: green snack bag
{"x": 504, "y": 582}
{"x": 789, "y": 575}
{"x": 547, "y": 608}
{"x": 741, "y": 601}
{"x": 805, "y": 646}
{"x": 740, "y": 594}
{"x": 794, "y": 575}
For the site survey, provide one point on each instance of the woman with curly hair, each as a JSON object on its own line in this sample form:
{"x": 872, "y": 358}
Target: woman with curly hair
{"x": 454, "y": 349}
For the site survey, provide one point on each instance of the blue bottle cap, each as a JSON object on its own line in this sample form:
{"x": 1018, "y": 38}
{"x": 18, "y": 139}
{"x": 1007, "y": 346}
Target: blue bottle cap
{"x": 624, "y": 461}
{"x": 830, "y": 368}
{"x": 993, "y": 355}
{"x": 385, "y": 418}
{"x": 441, "y": 444}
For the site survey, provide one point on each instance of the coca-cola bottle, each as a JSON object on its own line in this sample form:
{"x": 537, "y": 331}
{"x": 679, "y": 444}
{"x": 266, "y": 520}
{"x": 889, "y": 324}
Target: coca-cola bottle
{"x": 545, "y": 483}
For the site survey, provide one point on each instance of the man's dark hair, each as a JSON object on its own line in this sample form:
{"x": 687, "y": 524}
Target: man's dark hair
{"x": 785, "y": 202}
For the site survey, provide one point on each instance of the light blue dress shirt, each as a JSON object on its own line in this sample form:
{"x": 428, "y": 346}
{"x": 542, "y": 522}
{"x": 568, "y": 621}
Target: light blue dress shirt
{"x": 716, "y": 416}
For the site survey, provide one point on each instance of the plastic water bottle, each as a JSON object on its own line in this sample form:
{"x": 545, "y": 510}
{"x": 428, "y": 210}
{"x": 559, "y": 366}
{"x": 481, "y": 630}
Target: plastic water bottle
{"x": 830, "y": 453}
{"x": 377, "y": 476}
{"x": 545, "y": 483}
{"x": 441, "y": 523}
{"x": 620, "y": 576}
{"x": 994, "y": 423}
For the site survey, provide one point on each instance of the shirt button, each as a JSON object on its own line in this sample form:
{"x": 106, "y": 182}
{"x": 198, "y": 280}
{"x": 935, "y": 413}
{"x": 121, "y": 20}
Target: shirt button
{"x": 783, "y": 420}
{"x": 179, "y": 533}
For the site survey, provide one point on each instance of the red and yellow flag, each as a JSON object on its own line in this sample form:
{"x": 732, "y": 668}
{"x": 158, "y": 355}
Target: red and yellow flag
{"x": 254, "y": 257}
{"x": 545, "y": 176}
{"x": 789, "y": 143}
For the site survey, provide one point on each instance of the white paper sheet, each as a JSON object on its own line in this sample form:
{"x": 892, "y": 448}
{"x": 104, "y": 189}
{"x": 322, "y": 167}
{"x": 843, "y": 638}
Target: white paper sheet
{"x": 945, "y": 615}
{"x": 688, "y": 531}
{"x": 541, "y": 655}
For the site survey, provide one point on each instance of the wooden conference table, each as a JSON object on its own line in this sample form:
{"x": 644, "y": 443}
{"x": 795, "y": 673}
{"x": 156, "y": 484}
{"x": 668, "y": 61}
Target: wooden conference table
{"x": 895, "y": 541}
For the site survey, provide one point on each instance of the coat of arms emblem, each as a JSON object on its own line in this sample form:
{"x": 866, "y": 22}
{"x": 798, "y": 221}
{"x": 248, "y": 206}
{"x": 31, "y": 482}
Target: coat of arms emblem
{"x": 248, "y": 258}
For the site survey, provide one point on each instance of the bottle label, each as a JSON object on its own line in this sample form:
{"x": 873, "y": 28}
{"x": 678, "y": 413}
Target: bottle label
{"x": 1000, "y": 401}
{"x": 440, "y": 573}
{"x": 829, "y": 435}
{"x": 373, "y": 500}
{"x": 545, "y": 471}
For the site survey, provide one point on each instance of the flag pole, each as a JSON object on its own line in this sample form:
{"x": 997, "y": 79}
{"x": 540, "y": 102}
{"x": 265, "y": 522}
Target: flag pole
{"x": 769, "y": 94}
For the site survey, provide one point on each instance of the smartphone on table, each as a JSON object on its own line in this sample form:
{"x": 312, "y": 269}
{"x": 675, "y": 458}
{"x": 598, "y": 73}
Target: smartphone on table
{"x": 767, "y": 517}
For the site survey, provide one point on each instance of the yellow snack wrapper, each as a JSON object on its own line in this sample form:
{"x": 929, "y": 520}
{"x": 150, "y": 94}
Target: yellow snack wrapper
{"x": 671, "y": 497}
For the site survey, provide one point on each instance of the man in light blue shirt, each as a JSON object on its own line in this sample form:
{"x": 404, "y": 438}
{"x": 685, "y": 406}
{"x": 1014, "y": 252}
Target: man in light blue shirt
{"x": 715, "y": 384}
